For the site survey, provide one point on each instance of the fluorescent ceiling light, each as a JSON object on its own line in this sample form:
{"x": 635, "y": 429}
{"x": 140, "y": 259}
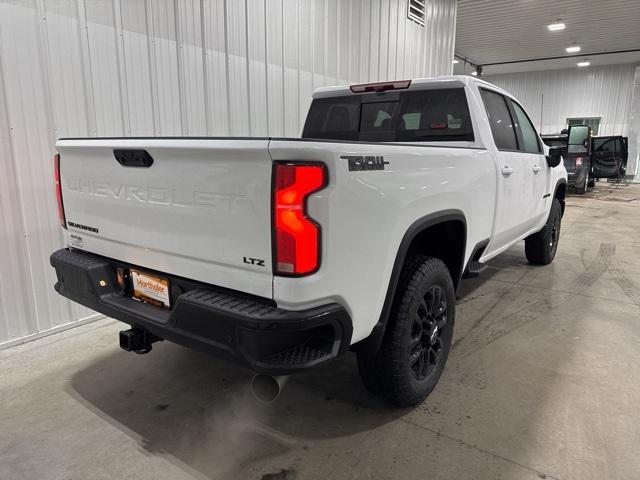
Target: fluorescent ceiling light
{"x": 573, "y": 49}
{"x": 455, "y": 61}
{"x": 584, "y": 64}
{"x": 555, "y": 27}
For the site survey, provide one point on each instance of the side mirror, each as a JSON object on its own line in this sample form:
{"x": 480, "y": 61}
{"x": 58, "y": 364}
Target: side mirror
{"x": 555, "y": 156}
{"x": 579, "y": 139}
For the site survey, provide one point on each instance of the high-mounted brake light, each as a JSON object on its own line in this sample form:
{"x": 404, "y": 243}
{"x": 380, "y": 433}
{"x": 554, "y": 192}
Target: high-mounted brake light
{"x": 380, "y": 87}
{"x": 56, "y": 175}
{"x": 296, "y": 236}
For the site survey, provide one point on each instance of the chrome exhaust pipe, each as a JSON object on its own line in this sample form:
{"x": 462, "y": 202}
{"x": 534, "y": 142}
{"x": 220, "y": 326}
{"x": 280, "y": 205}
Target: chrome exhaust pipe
{"x": 267, "y": 388}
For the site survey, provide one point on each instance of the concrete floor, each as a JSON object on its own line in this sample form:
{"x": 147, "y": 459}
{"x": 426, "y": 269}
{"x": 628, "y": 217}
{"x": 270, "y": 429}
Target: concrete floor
{"x": 543, "y": 382}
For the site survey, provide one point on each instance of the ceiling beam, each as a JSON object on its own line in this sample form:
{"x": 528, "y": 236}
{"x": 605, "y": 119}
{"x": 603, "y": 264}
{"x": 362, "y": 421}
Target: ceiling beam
{"x": 581, "y": 55}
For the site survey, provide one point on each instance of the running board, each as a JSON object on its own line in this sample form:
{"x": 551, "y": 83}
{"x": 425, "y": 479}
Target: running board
{"x": 475, "y": 269}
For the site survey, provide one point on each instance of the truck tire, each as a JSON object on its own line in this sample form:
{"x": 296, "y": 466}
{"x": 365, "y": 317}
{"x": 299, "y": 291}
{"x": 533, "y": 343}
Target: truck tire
{"x": 418, "y": 336}
{"x": 582, "y": 188}
{"x": 540, "y": 248}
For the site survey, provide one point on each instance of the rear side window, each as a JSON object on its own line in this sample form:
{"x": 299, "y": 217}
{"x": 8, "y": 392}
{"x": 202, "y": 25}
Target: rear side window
{"x": 500, "y": 120}
{"x": 410, "y": 116}
{"x": 528, "y": 136}
{"x": 612, "y": 145}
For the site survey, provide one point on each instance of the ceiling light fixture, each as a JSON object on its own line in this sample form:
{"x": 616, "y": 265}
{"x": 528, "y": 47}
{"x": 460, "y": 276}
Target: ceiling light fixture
{"x": 583, "y": 64}
{"x": 573, "y": 49}
{"x": 455, "y": 61}
{"x": 557, "y": 26}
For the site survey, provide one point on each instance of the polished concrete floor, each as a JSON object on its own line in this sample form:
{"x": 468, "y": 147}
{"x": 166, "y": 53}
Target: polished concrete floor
{"x": 543, "y": 382}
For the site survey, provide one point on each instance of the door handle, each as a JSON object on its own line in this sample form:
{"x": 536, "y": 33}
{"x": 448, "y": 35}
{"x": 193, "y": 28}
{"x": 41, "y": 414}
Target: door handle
{"x": 506, "y": 170}
{"x": 535, "y": 169}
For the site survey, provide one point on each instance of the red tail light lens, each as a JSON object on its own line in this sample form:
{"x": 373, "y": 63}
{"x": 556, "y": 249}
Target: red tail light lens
{"x": 296, "y": 236}
{"x": 56, "y": 170}
{"x": 578, "y": 161}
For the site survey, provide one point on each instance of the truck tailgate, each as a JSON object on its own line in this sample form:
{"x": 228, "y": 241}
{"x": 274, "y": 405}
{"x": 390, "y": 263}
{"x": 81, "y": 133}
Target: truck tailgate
{"x": 201, "y": 210}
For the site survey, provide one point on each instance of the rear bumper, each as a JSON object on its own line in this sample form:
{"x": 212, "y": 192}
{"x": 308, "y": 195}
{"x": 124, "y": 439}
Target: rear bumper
{"x": 248, "y": 330}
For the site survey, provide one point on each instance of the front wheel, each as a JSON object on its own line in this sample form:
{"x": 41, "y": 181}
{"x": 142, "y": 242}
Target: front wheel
{"x": 540, "y": 248}
{"x": 418, "y": 336}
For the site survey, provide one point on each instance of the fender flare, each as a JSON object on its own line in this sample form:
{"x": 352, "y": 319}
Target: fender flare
{"x": 372, "y": 343}
{"x": 561, "y": 181}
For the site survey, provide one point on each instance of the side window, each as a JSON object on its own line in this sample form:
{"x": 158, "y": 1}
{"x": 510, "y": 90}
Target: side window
{"x": 529, "y": 137}
{"x": 500, "y": 120}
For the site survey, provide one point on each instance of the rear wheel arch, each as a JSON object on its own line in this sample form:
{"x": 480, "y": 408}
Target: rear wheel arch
{"x": 441, "y": 235}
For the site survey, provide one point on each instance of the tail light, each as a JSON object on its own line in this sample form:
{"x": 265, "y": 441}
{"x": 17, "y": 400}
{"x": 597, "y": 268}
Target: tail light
{"x": 56, "y": 170}
{"x": 578, "y": 161}
{"x": 296, "y": 236}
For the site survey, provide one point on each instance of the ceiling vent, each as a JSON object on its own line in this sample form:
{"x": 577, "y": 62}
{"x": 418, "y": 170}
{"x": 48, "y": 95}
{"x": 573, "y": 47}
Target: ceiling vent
{"x": 417, "y": 11}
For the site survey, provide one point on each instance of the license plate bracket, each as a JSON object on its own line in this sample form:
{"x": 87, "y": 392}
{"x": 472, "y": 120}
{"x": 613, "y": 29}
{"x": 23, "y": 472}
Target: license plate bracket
{"x": 150, "y": 289}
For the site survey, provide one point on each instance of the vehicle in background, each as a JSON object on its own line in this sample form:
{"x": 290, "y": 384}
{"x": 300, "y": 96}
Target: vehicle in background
{"x": 575, "y": 147}
{"x": 589, "y": 158}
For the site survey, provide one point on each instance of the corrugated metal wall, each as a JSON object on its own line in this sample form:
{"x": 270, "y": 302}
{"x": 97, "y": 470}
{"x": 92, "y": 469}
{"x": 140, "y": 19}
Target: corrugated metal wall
{"x": 594, "y": 92}
{"x": 145, "y": 67}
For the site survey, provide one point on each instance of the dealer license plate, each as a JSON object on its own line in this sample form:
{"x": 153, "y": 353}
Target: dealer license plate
{"x": 150, "y": 289}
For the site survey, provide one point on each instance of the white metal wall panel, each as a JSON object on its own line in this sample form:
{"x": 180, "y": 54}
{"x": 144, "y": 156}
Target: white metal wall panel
{"x": 595, "y": 92}
{"x": 172, "y": 67}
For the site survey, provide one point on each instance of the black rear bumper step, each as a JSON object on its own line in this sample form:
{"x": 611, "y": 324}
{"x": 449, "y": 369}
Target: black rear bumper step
{"x": 249, "y": 330}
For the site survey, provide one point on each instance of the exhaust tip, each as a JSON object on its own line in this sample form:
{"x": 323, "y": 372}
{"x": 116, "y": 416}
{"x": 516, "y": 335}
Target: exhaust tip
{"x": 265, "y": 387}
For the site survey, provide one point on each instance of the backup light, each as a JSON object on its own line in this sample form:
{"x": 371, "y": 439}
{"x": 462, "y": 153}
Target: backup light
{"x": 380, "y": 86}
{"x": 556, "y": 27}
{"x": 296, "y": 235}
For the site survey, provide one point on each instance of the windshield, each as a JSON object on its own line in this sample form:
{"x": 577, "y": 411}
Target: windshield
{"x": 411, "y": 116}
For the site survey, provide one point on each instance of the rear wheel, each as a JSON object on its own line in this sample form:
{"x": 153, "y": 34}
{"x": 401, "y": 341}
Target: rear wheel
{"x": 540, "y": 248}
{"x": 582, "y": 188}
{"x": 418, "y": 336}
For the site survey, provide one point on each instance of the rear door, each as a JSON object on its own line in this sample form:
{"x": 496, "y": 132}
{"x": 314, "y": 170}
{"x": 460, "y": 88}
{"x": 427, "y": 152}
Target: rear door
{"x": 200, "y": 208}
{"x": 514, "y": 215}
{"x": 529, "y": 144}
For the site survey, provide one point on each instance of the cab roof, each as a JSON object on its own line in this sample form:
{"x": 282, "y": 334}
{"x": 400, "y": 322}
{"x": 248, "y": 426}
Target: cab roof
{"x": 445, "y": 81}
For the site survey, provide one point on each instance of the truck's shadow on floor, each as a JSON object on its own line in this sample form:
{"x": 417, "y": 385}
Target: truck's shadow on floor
{"x": 200, "y": 410}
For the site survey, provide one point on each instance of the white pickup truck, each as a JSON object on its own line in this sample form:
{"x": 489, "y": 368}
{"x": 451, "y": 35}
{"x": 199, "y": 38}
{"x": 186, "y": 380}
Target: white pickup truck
{"x": 283, "y": 254}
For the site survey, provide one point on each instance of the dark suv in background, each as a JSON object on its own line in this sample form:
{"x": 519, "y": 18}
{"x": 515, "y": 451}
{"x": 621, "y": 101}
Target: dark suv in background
{"x": 587, "y": 158}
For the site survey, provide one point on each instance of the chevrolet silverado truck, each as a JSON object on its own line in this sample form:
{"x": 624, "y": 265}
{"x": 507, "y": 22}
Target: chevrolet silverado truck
{"x": 283, "y": 254}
